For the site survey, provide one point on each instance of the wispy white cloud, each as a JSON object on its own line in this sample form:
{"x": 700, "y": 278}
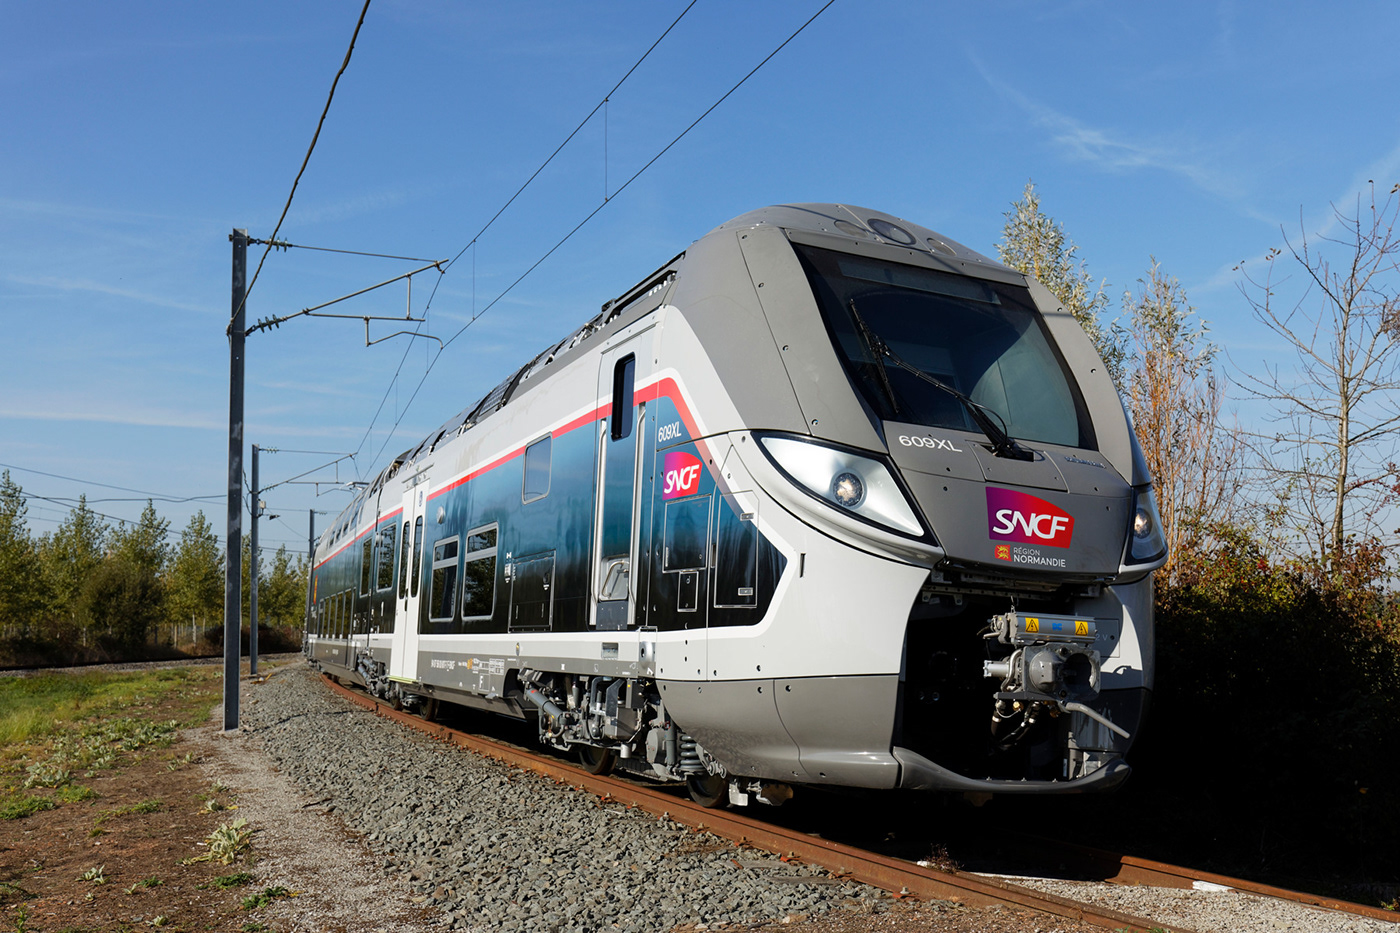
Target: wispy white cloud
{"x": 1115, "y": 151}
{"x": 102, "y": 288}
{"x": 64, "y": 211}
{"x": 150, "y": 418}
{"x": 1316, "y": 220}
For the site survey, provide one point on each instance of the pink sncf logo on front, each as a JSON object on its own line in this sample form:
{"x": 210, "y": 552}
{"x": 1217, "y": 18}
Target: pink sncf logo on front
{"x": 1016, "y": 516}
{"x": 682, "y": 475}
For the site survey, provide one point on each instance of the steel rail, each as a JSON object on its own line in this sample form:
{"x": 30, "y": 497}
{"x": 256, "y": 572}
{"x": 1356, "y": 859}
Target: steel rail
{"x": 1129, "y": 869}
{"x": 904, "y": 879}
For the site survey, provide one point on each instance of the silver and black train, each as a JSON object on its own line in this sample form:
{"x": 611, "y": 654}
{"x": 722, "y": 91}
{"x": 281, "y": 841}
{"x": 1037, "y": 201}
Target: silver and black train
{"x": 827, "y": 499}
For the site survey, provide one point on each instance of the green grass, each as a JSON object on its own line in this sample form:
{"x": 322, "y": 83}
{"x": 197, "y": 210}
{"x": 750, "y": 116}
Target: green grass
{"x": 32, "y": 708}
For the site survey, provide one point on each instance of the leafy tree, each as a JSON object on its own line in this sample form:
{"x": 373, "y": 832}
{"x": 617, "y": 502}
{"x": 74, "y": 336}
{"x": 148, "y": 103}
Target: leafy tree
{"x": 1034, "y": 244}
{"x": 21, "y": 579}
{"x": 1336, "y": 410}
{"x": 195, "y": 576}
{"x": 70, "y": 556}
{"x": 144, "y": 544}
{"x": 121, "y": 601}
{"x": 1174, "y": 397}
{"x": 282, "y": 598}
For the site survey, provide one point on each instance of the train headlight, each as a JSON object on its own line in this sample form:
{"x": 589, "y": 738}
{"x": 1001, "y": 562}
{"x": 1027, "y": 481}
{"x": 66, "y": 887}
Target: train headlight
{"x": 858, "y": 485}
{"x": 1145, "y": 541}
{"x": 848, "y": 490}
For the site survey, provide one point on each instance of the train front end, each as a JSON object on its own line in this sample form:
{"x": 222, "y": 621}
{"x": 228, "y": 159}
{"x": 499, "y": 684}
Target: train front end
{"x": 968, "y": 525}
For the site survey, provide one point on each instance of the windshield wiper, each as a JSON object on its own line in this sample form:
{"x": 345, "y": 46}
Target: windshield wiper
{"x": 876, "y": 347}
{"x": 1003, "y": 444}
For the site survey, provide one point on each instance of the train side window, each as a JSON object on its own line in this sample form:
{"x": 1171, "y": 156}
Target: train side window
{"x": 537, "y": 470}
{"x": 479, "y": 574}
{"x": 687, "y": 534}
{"x": 403, "y": 563}
{"x": 624, "y": 378}
{"x": 386, "y": 559}
{"x": 417, "y": 554}
{"x": 366, "y": 561}
{"x": 443, "y": 594}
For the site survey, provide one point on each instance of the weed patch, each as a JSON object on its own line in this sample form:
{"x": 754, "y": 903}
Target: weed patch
{"x": 267, "y": 896}
{"x": 18, "y": 806}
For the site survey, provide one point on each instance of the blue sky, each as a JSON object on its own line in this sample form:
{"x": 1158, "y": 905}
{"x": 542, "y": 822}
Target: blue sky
{"x": 136, "y": 136}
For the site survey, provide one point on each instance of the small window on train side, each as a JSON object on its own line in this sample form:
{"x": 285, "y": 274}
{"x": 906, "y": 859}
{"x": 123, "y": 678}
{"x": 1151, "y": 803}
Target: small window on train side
{"x": 366, "y": 562}
{"x": 417, "y": 554}
{"x": 385, "y": 575}
{"x": 624, "y": 378}
{"x": 479, "y": 574}
{"x": 686, "y": 535}
{"x": 537, "y": 470}
{"x": 403, "y": 562}
{"x": 443, "y": 593}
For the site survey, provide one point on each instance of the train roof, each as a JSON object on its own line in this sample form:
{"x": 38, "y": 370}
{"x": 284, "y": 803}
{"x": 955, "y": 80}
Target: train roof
{"x": 828, "y": 219}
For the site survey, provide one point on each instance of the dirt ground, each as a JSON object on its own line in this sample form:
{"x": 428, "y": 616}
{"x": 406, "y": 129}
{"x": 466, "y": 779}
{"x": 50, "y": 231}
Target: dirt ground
{"x": 138, "y": 857}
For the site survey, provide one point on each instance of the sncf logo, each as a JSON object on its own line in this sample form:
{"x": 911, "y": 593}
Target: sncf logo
{"x": 682, "y": 475}
{"x": 1016, "y": 516}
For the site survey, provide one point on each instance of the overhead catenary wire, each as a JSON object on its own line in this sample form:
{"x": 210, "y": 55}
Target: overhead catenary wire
{"x": 160, "y": 496}
{"x": 283, "y": 244}
{"x": 591, "y": 214}
{"x": 487, "y": 226}
{"x": 584, "y": 122}
{"x": 304, "y": 162}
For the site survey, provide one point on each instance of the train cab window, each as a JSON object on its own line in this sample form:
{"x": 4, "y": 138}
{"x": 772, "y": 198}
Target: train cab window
{"x": 366, "y": 562}
{"x": 443, "y": 593}
{"x": 687, "y": 534}
{"x": 417, "y": 554}
{"x": 537, "y": 470}
{"x": 479, "y": 574}
{"x": 385, "y": 570}
{"x": 403, "y": 563}
{"x": 624, "y": 377}
{"x": 984, "y": 339}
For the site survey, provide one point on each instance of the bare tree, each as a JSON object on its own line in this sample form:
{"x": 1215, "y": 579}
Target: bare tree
{"x": 1336, "y": 411}
{"x": 1175, "y": 399}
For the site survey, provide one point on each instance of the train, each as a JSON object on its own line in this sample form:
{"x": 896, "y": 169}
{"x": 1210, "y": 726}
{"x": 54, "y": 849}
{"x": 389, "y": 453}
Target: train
{"x": 828, "y": 499}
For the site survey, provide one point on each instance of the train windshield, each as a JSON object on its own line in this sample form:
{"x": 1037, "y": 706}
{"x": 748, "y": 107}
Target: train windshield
{"x": 981, "y": 338}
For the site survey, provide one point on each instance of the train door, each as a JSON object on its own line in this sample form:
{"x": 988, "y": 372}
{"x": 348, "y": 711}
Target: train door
{"x": 621, "y": 437}
{"x": 403, "y": 662}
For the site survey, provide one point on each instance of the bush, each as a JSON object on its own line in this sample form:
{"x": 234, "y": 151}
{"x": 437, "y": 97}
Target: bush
{"x": 1274, "y": 715}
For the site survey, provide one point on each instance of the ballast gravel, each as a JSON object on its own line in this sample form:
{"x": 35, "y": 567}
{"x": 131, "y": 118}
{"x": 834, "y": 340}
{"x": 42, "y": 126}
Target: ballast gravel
{"x": 486, "y": 846}
{"x": 466, "y": 843}
{"x": 1207, "y": 910}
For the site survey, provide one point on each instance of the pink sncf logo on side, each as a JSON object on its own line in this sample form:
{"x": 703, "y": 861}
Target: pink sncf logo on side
{"x": 682, "y": 475}
{"x": 1016, "y": 516}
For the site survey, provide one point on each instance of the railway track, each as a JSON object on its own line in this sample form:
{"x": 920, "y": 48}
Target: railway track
{"x": 899, "y": 876}
{"x": 895, "y": 875}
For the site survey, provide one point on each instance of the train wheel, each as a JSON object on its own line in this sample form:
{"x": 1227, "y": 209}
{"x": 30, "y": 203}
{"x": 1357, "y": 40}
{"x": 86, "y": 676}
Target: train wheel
{"x": 428, "y": 709}
{"x": 711, "y": 791}
{"x": 596, "y": 760}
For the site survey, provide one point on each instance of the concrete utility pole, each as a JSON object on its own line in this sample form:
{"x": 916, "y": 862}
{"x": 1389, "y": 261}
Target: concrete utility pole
{"x": 256, "y": 513}
{"x": 311, "y": 570}
{"x": 233, "y": 565}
